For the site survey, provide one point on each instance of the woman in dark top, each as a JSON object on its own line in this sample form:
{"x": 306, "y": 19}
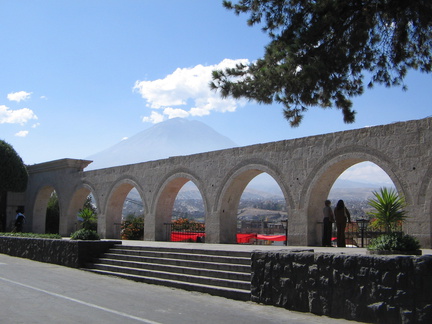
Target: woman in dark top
{"x": 342, "y": 215}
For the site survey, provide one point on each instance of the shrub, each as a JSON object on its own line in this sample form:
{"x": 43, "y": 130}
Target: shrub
{"x": 395, "y": 242}
{"x": 184, "y": 224}
{"x": 85, "y": 234}
{"x": 132, "y": 228}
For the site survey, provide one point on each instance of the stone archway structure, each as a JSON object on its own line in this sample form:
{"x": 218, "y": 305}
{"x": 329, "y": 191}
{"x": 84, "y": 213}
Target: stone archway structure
{"x": 304, "y": 168}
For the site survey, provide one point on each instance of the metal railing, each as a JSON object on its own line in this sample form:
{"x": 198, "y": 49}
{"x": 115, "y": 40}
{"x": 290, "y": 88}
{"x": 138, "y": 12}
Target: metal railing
{"x": 191, "y": 232}
{"x": 359, "y": 233}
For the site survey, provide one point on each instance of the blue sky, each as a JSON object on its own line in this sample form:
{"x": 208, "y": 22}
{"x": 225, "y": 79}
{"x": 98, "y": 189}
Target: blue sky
{"x": 79, "y": 76}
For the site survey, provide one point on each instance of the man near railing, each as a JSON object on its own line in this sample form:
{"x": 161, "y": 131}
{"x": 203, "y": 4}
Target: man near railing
{"x": 328, "y": 223}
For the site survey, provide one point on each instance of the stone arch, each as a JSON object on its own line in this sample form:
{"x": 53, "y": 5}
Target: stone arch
{"x": 425, "y": 189}
{"x": 322, "y": 177}
{"x": 234, "y": 185}
{"x": 42, "y": 197}
{"x": 109, "y": 219}
{"x": 165, "y": 198}
{"x": 68, "y": 223}
{"x": 425, "y": 204}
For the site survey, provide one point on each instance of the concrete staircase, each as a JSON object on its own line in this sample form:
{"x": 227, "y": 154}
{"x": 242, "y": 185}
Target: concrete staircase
{"x": 220, "y": 273}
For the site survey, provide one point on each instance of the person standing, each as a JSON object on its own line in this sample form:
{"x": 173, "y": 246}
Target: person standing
{"x": 19, "y": 221}
{"x": 342, "y": 215}
{"x": 328, "y": 223}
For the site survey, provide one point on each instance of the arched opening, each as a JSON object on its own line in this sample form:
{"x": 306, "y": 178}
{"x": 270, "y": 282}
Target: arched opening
{"x": 82, "y": 205}
{"x": 180, "y": 197}
{"x": 87, "y": 215}
{"x": 187, "y": 222}
{"x": 39, "y": 214}
{"x": 117, "y": 208}
{"x": 354, "y": 184}
{"x": 132, "y": 221}
{"x": 52, "y": 217}
{"x": 232, "y": 193}
{"x": 262, "y": 213}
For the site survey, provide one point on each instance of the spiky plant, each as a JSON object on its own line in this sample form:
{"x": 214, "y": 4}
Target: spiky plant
{"x": 388, "y": 209}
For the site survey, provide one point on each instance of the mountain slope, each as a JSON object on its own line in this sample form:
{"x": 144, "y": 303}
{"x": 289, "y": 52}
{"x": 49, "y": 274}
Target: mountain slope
{"x": 173, "y": 137}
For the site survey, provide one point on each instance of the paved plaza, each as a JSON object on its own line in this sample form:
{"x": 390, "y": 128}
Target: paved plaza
{"x": 34, "y": 292}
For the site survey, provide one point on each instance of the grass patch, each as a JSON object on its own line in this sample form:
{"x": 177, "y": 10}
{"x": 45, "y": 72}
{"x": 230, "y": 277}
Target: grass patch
{"x": 33, "y": 235}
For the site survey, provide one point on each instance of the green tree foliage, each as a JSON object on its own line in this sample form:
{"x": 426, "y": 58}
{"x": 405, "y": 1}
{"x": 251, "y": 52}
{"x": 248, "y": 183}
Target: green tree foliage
{"x": 321, "y": 49}
{"x": 89, "y": 204}
{"x": 52, "y": 215}
{"x": 13, "y": 176}
{"x": 13, "y": 172}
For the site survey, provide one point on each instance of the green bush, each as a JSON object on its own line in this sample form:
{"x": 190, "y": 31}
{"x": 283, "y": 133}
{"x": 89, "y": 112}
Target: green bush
{"x": 85, "y": 234}
{"x": 395, "y": 242}
{"x": 132, "y": 228}
{"x": 33, "y": 235}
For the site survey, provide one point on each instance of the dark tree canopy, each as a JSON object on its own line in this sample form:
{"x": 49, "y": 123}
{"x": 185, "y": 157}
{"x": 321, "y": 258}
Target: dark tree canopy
{"x": 13, "y": 172}
{"x": 320, "y": 51}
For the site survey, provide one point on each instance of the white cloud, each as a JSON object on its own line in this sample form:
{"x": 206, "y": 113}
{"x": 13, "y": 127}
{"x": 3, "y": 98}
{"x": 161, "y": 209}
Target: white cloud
{"x": 20, "y": 116}
{"x": 22, "y": 134}
{"x": 18, "y": 96}
{"x": 175, "y": 112}
{"x": 186, "y": 92}
{"x": 154, "y": 118}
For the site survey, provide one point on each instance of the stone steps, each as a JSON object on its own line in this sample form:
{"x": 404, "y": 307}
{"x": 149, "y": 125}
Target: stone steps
{"x": 221, "y": 273}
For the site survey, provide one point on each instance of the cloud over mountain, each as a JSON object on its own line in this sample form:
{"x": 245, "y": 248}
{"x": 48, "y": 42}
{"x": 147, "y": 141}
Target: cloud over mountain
{"x": 170, "y": 138}
{"x": 186, "y": 92}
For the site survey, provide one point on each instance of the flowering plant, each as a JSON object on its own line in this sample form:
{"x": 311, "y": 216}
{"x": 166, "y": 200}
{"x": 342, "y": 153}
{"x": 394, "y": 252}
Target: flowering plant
{"x": 132, "y": 228}
{"x": 184, "y": 224}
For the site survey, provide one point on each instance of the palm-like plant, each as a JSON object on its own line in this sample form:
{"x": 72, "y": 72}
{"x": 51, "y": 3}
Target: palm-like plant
{"x": 388, "y": 209}
{"x": 89, "y": 219}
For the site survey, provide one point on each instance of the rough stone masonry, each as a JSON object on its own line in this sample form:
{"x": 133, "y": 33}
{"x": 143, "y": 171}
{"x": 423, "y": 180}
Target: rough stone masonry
{"x": 373, "y": 289}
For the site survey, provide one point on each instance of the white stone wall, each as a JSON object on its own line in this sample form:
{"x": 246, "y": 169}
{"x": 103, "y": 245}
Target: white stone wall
{"x": 305, "y": 169}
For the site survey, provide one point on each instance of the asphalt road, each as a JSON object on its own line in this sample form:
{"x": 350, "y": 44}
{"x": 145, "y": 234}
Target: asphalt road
{"x": 35, "y": 292}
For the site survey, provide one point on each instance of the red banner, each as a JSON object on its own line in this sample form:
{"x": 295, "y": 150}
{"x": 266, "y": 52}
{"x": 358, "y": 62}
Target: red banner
{"x": 241, "y": 238}
{"x": 245, "y": 238}
{"x": 271, "y": 237}
{"x": 186, "y": 236}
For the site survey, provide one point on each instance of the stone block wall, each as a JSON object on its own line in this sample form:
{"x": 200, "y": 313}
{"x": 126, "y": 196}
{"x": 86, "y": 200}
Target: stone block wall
{"x": 67, "y": 253}
{"x": 373, "y": 289}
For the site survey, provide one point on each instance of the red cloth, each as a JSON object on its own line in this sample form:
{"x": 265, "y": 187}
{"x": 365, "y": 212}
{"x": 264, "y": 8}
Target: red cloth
{"x": 271, "y": 237}
{"x": 241, "y": 238}
{"x": 245, "y": 238}
{"x": 185, "y": 236}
